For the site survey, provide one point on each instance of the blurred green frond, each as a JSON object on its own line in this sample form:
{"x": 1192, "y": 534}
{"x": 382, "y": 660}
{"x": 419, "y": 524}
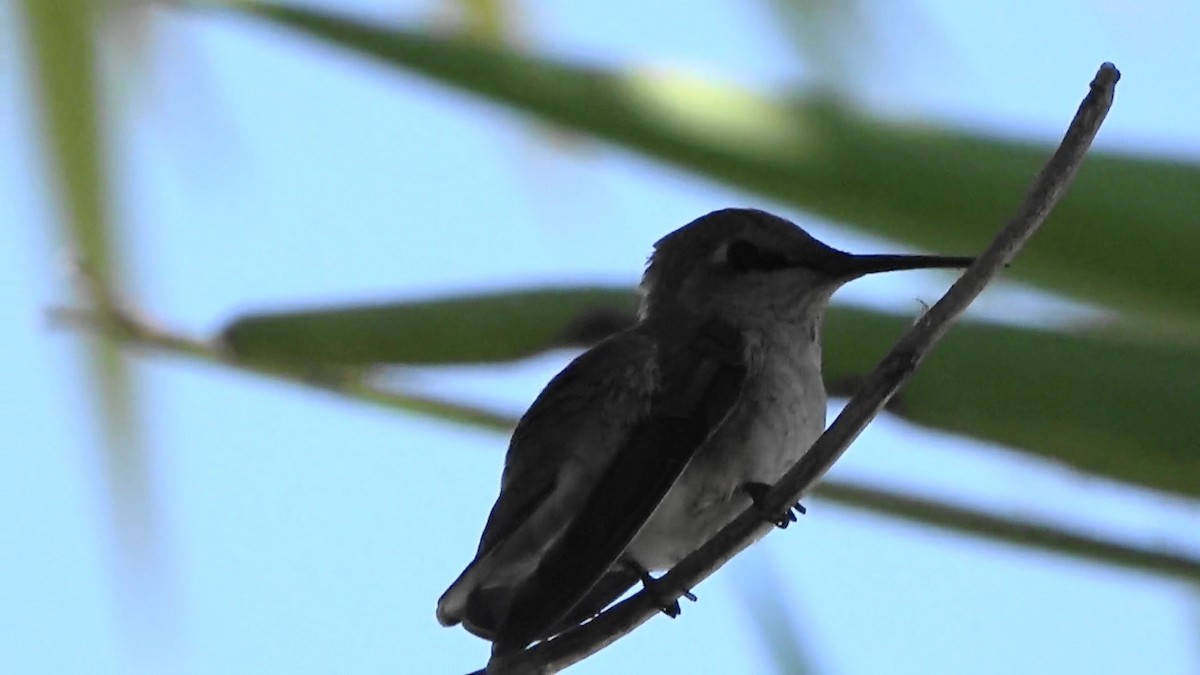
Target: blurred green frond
{"x": 482, "y": 329}
{"x": 63, "y": 55}
{"x": 1123, "y": 238}
{"x": 1037, "y": 391}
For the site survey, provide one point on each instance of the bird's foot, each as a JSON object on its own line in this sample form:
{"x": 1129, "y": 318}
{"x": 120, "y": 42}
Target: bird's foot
{"x": 759, "y": 490}
{"x": 670, "y": 608}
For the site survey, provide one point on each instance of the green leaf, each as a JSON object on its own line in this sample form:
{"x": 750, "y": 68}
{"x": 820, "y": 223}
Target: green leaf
{"x": 63, "y": 60}
{"x": 62, "y": 55}
{"x": 1121, "y": 409}
{"x": 480, "y": 329}
{"x": 1124, "y": 236}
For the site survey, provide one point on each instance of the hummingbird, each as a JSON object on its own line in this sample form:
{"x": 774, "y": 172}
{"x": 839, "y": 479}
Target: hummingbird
{"x": 651, "y": 441}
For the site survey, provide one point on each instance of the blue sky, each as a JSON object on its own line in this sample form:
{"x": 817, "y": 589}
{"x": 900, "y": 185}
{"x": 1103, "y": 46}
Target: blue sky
{"x": 305, "y": 533}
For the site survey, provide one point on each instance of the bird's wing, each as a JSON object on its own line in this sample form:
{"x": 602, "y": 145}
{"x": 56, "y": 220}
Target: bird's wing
{"x": 558, "y": 451}
{"x": 699, "y": 384}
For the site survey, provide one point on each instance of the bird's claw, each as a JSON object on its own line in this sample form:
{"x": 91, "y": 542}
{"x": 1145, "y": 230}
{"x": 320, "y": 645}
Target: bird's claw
{"x": 670, "y": 608}
{"x": 757, "y": 491}
{"x": 789, "y": 516}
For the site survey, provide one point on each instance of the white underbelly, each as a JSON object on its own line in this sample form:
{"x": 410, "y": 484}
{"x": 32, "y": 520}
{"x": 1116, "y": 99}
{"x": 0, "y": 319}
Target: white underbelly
{"x": 775, "y": 422}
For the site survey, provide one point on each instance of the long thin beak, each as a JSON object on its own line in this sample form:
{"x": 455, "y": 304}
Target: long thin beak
{"x": 855, "y": 266}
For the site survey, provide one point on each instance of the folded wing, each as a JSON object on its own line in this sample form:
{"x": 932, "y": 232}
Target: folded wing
{"x": 699, "y": 384}
{"x": 558, "y": 452}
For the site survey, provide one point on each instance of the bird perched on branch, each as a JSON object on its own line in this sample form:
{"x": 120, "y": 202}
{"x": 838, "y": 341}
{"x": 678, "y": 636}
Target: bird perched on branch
{"x": 651, "y": 441}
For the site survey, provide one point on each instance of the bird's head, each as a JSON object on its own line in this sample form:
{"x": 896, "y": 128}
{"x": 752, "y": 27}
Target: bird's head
{"x": 749, "y": 266}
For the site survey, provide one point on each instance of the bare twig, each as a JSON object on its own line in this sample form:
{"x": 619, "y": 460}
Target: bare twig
{"x": 976, "y": 523}
{"x": 124, "y": 327}
{"x": 892, "y": 372}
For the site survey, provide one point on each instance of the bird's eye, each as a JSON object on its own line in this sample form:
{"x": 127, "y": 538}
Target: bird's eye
{"x": 743, "y": 256}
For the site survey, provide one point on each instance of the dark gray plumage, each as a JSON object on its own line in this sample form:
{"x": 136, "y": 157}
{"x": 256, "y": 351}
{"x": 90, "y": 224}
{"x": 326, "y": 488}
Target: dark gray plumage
{"x": 650, "y": 442}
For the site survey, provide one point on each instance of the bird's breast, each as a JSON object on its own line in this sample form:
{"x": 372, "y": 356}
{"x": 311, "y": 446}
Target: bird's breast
{"x": 780, "y": 413}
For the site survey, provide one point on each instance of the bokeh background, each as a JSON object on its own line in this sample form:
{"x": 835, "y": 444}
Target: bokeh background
{"x": 167, "y": 507}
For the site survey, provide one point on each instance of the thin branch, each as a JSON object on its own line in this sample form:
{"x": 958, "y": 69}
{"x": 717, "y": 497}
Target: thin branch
{"x": 123, "y": 326}
{"x": 892, "y": 372}
{"x": 1039, "y": 536}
